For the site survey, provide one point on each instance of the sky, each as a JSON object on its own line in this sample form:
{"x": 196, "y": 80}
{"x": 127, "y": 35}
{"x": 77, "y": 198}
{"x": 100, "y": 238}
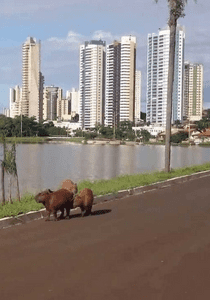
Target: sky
{"x": 63, "y": 25}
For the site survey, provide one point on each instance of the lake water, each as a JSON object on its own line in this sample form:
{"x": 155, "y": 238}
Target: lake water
{"x": 42, "y": 166}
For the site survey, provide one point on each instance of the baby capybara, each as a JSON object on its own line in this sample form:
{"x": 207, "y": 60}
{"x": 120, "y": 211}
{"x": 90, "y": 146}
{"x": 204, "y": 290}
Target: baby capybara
{"x": 54, "y": 201}
{"x": 84, "y": 200}
{"x": 70, "y": 186}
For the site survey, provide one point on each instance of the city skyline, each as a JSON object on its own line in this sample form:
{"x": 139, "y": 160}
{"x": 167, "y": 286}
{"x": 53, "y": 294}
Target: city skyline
{"x": 60, "y": 42}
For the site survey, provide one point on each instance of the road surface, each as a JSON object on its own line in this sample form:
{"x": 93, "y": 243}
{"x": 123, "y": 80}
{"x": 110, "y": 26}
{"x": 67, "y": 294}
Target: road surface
{"x": 154, "y": 246}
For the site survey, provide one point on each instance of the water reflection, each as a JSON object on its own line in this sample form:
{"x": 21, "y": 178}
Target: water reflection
{"x": 42, "y": 166}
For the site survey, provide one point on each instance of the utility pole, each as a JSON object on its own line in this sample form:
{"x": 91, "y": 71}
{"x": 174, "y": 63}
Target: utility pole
{"x": 2, "y": 171}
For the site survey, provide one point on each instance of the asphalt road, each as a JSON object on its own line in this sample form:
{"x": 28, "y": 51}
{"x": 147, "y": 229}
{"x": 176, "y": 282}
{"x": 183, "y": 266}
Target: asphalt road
{"x": 154, "y": 246}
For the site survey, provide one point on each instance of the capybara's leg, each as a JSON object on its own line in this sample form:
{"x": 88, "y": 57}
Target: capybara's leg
{"x": 83, "y": 211}
{"x": 88, "y": 212}
{"x": 55, "y": 215}
{"x": 68, "y": 212}
{"x": 48, "y": 216}
{"x": 62, "y": 213}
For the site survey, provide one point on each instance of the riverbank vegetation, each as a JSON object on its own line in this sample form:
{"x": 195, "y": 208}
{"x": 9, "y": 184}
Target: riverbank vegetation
{"x": 103, "y": 187}
{"x": 22, "y": 126}
{"x": 26, "y": 140}
{"x": 123, "y": 131}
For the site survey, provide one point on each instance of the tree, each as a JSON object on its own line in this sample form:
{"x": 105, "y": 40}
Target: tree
{"x": 30, "y": 127}
{"x": 124, "y": 131}
{"x": 203, "y": 124}
{"x": 144, "y": 135}
{"x": 179, "y": 137}
{"x": 106, "y": 132}
{"x": 176, "y": 10}
{"x": 2, "y": 171}
{"x": 10, "y": 166}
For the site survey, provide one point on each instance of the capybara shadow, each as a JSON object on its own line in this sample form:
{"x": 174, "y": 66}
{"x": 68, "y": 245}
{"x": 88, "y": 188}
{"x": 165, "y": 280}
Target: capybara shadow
{"x": 100, "y": 212}
{"x": 54, "y": 201}
{"x": 84, "y": 200}
{"x": 93, "y": 213}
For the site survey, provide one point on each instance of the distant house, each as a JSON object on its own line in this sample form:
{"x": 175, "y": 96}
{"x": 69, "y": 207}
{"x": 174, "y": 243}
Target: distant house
{"x": 204, "y": 135}
{"x": 161, "y": 135}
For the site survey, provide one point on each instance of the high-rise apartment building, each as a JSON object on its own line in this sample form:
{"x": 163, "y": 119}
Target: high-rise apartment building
{"x": 127, "y": 78}
{"x": 31, "y": 103}
{"x": 65, "y": 109}
{"x": 15, "y": 98}
{"x": 73, "y": 96}
{"x": 92, "y": 84}
{"x": 138, "y": 96}
{"x": 112, "y": 94}
{"x": 120, "y": 81}
{"x": 157, "y": 76}
{"x": 52, "y": 96}
{"x": 59, "y": 99}
{"x": 193, "y": 91}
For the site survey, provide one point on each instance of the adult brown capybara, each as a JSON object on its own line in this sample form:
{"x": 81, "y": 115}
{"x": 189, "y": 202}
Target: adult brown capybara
{"x": 70, "y": 186}
{"x": 84, "y": 200}
{"x": 54, "y": 201}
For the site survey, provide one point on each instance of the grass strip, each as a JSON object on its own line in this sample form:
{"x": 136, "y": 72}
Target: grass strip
{"x": 103, "y": 187}
{"x": 38, "y": 139}
{"x": 125, "y": 182}
{"x": 26, "y": 204}
{"x": 26, "y": 140}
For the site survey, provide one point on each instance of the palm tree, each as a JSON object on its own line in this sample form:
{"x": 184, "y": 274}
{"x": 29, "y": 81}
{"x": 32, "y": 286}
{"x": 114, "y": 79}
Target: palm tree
{"x": 176, "y": 10}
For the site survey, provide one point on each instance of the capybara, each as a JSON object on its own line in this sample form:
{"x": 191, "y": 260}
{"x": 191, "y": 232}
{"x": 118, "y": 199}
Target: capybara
{"x": 70, "y": 186}
{"x": 54, "y": 201}
{"x": 84, "y": 200}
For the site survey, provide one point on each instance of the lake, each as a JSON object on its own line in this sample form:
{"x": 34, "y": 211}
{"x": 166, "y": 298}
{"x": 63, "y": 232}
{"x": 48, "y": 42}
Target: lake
{"x": 42, "y": 166}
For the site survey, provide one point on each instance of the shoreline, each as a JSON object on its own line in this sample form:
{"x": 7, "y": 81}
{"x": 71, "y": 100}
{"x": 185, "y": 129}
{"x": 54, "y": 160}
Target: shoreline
{"x": 83, "y": 141}
{"x": 7, "y": 222}
{"x": 113, "y": 187}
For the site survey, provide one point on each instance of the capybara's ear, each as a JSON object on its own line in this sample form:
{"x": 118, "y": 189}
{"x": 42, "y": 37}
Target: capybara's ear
{"x": 49, "y": 191}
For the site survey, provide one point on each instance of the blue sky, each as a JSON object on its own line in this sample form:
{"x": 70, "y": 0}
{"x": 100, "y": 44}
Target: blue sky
{"x": 63, "y": 25}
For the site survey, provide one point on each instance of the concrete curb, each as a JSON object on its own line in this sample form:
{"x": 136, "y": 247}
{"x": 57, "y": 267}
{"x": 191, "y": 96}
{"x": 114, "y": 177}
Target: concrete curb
{"x": 36, "y": 215}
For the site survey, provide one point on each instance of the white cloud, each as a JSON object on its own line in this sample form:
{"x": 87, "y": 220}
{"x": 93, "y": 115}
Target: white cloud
{"x": 70, "y": 42}
{"x": 105, "y": 35}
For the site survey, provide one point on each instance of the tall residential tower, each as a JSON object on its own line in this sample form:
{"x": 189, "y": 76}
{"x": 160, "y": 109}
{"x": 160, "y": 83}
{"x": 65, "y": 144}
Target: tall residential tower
{"x": 157, "y": 76}
{"x": 92, "y": 84}
{"x": 127, "y": 78}
{"x": 32, "y": 80}
{"x": 120, "y": 81}
{"x": 112, "y": 94}
{"x": 193, "y": 91}
{"x": 15, "y": 98}
{"x": 137, "y": 96}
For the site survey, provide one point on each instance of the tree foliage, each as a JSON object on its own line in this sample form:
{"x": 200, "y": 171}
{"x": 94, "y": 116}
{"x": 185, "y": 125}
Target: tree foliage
{"x": 179, "y": 137}
{"x": 11, "y": 127}
{"x": 122, "y": 131}
{"x": 203, "y": 124}
{"x": 144, "y": 135}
